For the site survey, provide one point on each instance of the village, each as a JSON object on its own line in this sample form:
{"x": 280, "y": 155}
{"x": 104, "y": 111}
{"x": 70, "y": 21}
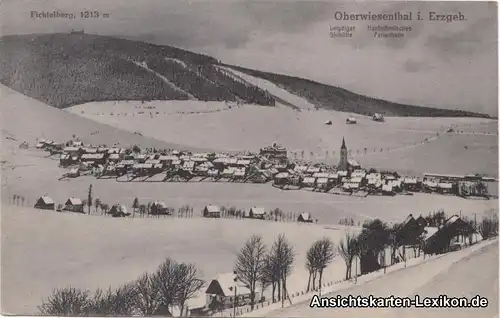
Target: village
{"x": 271, "y": 165}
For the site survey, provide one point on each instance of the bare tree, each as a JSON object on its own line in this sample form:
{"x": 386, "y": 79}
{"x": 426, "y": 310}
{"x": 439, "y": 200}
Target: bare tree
{"x": 176, "y": 284}
{"x": 104, "y": 208}
{"x": 311, "y": 265}
{"x": 270, "y": 274}
{"x": 190, "y": 284}
{"x": 101, "y": 303}
{"x": 347, "y": 250}
{"x": 147, "y": 296}
{"x": 250, "y": 263}
{"x": 97, "y": 204}
{"x": 168, "y": 280}
{"x": 283, "y": 255}
{"x": 326, "y": 249}
{"x": 66, "y": 302}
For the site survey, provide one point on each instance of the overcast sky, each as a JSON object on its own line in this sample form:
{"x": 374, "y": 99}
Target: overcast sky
{"x": 439, "y": 64}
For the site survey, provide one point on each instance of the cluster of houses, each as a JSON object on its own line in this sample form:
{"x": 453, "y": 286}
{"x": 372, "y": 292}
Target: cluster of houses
{"x": 270, "y": 164}
{"x": 76, "y": 205}
{"x": 451, "y": 234}
{"x": 115, "y": 162}
{"x": 349, "y": 177}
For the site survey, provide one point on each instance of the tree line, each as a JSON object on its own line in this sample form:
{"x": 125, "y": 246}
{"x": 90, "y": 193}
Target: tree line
{"x": 156, "y": 293}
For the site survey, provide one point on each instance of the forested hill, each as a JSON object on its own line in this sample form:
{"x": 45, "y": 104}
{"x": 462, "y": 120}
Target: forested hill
{"x": 339, "y": 99}
{"x": 67, "y": 69}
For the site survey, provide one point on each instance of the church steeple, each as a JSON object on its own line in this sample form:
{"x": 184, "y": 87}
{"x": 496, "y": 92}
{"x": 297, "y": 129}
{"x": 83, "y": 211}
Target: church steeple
{"x": 343, "y": 164}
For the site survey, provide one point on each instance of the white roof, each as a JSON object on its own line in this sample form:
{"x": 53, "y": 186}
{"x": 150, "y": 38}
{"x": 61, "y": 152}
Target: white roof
{"x": 306, "y": 215}
{"x": 309, "y": 180}
{"x": 160, "y": 204}
{"x": 213, "y": 172}
{"x": 429, "y": 232}
{"x": 171, "y": 158}
{"x": 243, "y": 162}
{"x": 93, "y": 156}
{"x": 239, "y": 173}
{"x": 387, "y": 187}
{"x": 313, "y": 169}
{"x": 322, "y": 180}
{"x": 90, "y": 150}
{"x": 212, "y": 208}
{"x": 353, "y": 162}
{"x": 256, "y": 210}
{"x": 69, "y": 149}
{"x": 444, "y": 185}
{"x": 431, "y": 184}
{"x": 227, "y": 283}
{"x": 282, "y": 175}
{"x": 75, "y": 201}
{"x": 350, "y": 185}
{"x": 358, "y": 175}
{"x": 356, "y": 180}
{"x": 47, "y": 200}
{"x": 321, "y": 175}
{"x": 410, "y": 180}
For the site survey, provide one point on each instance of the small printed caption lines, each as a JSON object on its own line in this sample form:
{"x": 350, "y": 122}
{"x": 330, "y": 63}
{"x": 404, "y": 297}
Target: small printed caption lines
{"x": 371, "y": 301}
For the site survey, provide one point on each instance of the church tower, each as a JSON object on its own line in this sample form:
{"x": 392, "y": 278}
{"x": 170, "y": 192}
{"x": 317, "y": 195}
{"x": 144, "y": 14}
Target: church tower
{"x": 343, "y": 157}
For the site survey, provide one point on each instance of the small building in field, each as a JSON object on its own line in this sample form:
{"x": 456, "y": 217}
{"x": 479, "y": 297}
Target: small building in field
{"x": 351, "y": 120}
{"x": 45, "y": 203}
{"x": 378, "y": 117}
{"x": 211, "y": 211}
{"x": 228, "y": 290}
{"x": 74, "y": 205}
{"x": 118, "y": 210}
{"x": 256, "y": 213}
{"x": 305, "y": 217}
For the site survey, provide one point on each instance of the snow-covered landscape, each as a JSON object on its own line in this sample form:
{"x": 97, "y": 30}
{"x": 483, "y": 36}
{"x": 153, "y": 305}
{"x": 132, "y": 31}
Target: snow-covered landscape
{"x": 120, "y": 157}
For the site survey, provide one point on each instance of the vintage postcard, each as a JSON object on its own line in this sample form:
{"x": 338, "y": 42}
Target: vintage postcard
{"x": 249, "y": 158}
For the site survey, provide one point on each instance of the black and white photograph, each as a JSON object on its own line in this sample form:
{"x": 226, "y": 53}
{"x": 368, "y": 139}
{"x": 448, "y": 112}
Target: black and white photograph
{"x": 249, "y": 158}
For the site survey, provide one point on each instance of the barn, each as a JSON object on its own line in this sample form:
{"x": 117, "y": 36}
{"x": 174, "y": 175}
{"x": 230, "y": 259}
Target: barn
{"x": 74, "y": 205}
{"x": 228, "y": 290}
{"x": 305, "y": 217}
{"x": 256, "y": 213}
{"x": 45, "y": 203}
{"x": 211, "y": 211}
{"x": 351, "y": 120}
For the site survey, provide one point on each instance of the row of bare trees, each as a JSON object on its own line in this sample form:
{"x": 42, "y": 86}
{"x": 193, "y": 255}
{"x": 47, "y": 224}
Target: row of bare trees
{"x": 171, "y": 285}
{"x": 256, "y": 264}
{"x": 16, "y": 199}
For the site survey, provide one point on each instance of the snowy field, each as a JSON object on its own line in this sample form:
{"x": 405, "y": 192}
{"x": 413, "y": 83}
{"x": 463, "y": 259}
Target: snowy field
{"x": 42, "y": 250}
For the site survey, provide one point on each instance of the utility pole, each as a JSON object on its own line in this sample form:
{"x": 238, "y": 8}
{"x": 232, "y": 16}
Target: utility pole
{"x": 355, "y": 271}
{"x": 235, "y": 294}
